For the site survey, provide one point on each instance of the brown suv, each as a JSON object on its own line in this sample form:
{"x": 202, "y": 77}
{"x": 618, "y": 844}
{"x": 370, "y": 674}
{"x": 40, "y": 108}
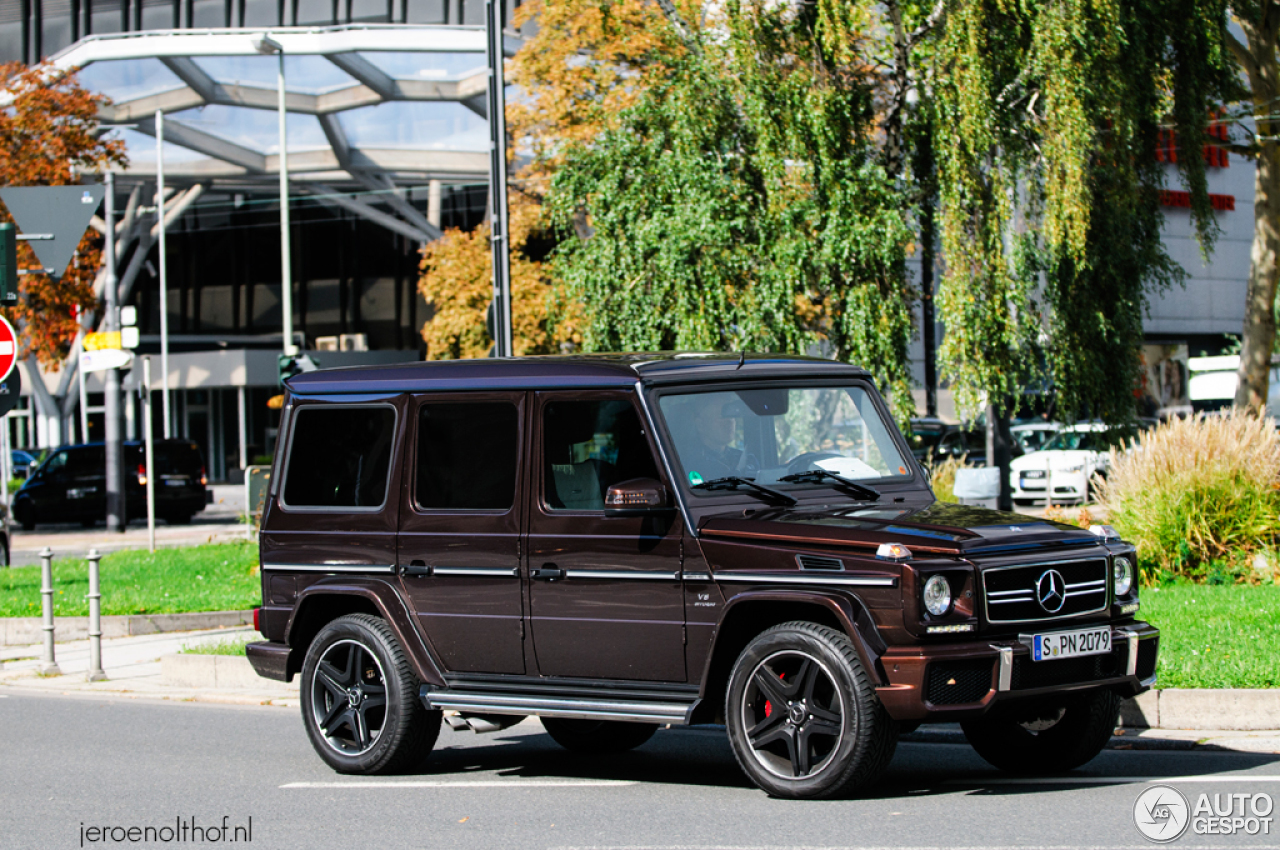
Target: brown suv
{"x": 615, "y": 543}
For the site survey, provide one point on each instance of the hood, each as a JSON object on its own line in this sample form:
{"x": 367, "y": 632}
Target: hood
{"x": 939, "y": 528}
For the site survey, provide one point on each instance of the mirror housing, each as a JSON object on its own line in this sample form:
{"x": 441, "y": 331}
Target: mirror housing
{"x": 636, "y": 496}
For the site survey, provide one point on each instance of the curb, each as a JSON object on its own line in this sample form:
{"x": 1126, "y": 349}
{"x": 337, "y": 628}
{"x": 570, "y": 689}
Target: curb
{"x": 218, "y": 672}
{"x": 23, "y": 631}
{"x": 1233, "y": 709}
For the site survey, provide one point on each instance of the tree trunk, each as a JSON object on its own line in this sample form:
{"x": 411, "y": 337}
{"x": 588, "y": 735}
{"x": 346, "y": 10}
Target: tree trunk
{"x": 1259, "y": 334}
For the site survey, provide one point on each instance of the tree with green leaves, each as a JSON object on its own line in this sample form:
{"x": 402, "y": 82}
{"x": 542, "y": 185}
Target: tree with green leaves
{"x": 1255, "y": 57}
{"x": 743, "y": 203}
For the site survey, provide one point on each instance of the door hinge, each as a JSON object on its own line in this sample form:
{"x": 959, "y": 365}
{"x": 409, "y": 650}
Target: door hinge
{"x": 522, "y": 629}
{"x": 684, "y": 635}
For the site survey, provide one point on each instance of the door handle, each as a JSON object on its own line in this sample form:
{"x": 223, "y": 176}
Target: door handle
{"x": 548, "y": 572}
{"x": 415, "y": 569}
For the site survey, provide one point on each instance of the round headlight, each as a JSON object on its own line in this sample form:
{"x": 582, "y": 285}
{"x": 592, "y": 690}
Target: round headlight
{"x": 937, "y": 595}
{"x": 1122, "y": 576}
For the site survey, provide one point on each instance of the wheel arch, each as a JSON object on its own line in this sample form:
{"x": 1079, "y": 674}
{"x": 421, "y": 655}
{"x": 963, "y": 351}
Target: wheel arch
{"x": 325, "y": 601}
{"x": 752, "y": 612}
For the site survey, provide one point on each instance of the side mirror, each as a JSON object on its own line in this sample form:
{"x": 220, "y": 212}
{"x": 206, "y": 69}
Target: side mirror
{"x": 636, "y": 496}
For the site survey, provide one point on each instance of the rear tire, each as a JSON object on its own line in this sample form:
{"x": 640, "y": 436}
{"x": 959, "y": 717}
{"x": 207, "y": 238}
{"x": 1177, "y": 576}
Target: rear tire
{"x": 1050, "y": 740}
{"x": 360, "y": 701}
{"x": 597, "y": 737}
{"x": 803, "y": 716}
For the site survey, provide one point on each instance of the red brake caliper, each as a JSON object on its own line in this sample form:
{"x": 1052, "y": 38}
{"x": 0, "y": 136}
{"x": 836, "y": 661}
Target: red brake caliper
{"x": 768, "y": 706}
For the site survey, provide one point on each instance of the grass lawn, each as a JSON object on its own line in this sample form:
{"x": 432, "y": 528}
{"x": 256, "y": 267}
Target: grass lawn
{"x": 216, "y": 577}
{"x": 1216, "y": 636}
{"x": 226, "y": 646}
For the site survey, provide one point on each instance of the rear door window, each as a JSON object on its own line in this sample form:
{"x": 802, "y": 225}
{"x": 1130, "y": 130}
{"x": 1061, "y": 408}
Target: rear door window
{"x": 467, "y": 455}
{"x": 340, "y": 456}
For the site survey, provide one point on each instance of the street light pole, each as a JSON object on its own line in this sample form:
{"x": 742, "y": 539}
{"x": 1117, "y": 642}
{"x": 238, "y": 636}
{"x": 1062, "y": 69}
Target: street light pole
{"x": 502, "y": 342}
{"x": 268, "y": 46}
{"x": 164, "y": 281}
{"x": 111, "y": 399}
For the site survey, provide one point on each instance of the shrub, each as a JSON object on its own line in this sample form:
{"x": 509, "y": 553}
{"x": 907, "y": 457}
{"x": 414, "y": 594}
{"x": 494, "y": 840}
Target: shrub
{"x": 942, "y": 478}
{"x": 1200, "y": 497}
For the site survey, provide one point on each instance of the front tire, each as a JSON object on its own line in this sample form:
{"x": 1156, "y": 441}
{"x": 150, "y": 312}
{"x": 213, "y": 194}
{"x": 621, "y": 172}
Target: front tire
{"x": 597, "y": 737}
{"x": 1047, "y": 739}
{"x": 360, "y": 700}
{"x": 803, "y": 717}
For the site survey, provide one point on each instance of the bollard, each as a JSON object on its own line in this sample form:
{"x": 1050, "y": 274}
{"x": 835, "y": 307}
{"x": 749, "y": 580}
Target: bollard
{"x": 48, "y": 666}
{"x": 95, "y": 621}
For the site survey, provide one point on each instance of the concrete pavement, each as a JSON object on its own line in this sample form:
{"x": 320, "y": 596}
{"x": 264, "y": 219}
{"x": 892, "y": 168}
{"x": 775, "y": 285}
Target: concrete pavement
{"x": 219, "y": 522}
{"x": 135, "y": 669}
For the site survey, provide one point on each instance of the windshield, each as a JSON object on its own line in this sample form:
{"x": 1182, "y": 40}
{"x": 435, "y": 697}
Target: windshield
{"x": 765, "y": 434}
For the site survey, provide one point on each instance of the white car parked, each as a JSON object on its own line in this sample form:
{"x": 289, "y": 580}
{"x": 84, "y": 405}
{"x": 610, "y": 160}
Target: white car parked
{"x": 1065, "y": 464}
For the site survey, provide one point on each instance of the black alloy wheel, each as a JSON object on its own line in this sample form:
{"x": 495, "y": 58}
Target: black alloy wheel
{"x": 360, "y": 700}
{"x": 803, "y": 718}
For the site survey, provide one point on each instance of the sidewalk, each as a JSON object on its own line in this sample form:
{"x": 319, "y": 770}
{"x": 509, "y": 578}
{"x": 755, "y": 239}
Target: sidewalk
{"x": 134, "y": 670}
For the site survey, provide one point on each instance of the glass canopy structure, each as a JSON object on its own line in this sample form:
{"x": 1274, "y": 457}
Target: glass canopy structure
{"x": 370, "y": 107}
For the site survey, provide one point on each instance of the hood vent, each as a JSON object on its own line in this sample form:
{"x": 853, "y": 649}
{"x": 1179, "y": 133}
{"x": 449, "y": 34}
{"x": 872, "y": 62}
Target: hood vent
{"x": 817, "y": 562}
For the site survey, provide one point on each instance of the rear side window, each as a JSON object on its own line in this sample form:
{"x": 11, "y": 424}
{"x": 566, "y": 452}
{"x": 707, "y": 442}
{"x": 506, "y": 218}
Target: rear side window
{"x": 339, "y": 457}
{"x": 467, "y": 455}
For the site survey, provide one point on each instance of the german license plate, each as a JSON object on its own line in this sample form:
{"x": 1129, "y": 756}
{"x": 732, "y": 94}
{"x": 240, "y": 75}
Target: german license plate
{"x": 81, "y": 492}
{"x": 1051, "y": 647}
{"x": 175, "y": 482}
{"x": 1033, "y": 473}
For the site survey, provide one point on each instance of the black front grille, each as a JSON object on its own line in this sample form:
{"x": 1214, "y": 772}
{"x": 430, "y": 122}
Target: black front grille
{"x": 1028, "y": 674}
{"x": 958, "y": 682}
{"x": 1013, "y": 593}
{"x": 1147, "y": 650}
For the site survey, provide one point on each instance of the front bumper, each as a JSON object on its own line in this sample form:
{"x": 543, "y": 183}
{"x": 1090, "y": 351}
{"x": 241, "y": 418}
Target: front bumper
{"x": 957, "y": 681}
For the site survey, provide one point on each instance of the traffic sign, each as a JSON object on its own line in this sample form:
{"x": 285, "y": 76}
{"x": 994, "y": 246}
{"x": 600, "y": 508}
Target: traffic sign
{"x": 10, "y": 391}
{"x": 8, "y": 348}
{"x": 102, "y": 340}
{"x": 52, "y": 219}
{"x": 106, "y": 358}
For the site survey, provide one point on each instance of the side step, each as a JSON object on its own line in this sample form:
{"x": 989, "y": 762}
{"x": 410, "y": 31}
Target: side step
{"x": 479, "y": 702}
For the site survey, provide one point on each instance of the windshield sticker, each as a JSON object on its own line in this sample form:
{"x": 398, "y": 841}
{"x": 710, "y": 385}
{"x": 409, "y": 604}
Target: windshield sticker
{"x": 695, "y": 477}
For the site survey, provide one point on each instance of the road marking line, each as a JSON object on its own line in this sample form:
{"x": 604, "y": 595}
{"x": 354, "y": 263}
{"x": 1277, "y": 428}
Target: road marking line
{"x": 1110, "y": 780}
{"x": 463, "y": 783}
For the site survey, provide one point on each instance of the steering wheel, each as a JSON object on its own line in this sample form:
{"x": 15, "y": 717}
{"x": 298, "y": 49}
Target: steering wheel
{"x": 803, "y": 462}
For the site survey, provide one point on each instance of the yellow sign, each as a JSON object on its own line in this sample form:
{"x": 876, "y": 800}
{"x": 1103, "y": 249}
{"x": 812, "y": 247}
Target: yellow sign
{"x": 102, "y": 341}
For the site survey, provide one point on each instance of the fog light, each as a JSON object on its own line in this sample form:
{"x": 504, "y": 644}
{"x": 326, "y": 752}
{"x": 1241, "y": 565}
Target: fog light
{"x": 937, "y": 595}
{"x": 1122, "y": 576}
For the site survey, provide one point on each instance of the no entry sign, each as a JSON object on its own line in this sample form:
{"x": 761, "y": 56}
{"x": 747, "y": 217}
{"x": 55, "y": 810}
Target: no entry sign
{"x": 8, "y": 348}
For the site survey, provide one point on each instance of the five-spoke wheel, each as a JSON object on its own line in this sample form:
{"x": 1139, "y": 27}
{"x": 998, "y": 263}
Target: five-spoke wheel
{"x": 803, "y": 718}
{"x": 360, "y": 699}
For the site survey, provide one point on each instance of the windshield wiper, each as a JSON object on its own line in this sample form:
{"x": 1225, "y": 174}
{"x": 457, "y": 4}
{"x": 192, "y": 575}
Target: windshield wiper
{"x": 733, "y": 482}
{"x": 860, "y": 490}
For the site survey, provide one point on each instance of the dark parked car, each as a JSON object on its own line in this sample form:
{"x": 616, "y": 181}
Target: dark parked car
{"x": 21, "y": 462}
{"x": 620, "y": 542}
{"x": 71, "y": 484}
{"x": 933, "y": 441}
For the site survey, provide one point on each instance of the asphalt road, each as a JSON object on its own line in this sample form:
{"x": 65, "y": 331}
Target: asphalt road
{"x": 73, "y": 762}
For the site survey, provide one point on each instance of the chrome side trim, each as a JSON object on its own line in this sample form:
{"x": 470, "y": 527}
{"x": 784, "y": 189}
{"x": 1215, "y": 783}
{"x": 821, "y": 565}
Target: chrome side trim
{"x": 1132, "y": 664}
{"x": 629, "y": 575}
{"x": 844, "y": 580}
{"x": 496, "y": 572}
{"x": 602, "y": 709}
{"x": 333, "y": 568}
{"x": 1005, "y": 680}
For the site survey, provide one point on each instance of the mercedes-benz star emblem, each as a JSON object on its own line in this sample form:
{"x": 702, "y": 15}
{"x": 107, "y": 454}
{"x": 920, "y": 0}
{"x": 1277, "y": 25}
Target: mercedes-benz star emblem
{"x": 1051, "y": 591}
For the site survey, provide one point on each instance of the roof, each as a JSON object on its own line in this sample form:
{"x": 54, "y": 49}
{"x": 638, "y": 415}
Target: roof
{"x": 589, "y": 370}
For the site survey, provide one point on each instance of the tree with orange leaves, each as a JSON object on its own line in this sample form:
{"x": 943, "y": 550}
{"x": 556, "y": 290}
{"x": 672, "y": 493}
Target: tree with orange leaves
{"x": 589, "y": 62}
{"x": 48, "y": 136}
